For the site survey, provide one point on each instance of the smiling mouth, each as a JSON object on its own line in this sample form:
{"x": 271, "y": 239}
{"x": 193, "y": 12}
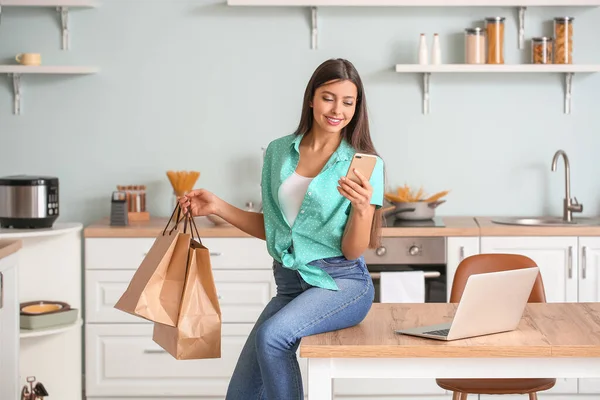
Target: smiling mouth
{"x": 333, "y": 121}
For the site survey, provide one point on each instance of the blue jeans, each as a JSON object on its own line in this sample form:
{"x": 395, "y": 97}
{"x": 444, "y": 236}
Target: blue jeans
{"x": 268, "y": 368}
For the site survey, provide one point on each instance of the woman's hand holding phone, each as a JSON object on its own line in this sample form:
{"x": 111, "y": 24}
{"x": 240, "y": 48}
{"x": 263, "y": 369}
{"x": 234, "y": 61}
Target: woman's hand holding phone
{"x": 358, "y": 194}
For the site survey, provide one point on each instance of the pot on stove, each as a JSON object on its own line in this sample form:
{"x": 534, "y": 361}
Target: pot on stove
{"x": 415, "y": 211}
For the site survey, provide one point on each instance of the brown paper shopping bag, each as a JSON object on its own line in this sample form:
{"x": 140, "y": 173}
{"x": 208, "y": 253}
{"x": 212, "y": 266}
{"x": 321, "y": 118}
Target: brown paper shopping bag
{"x": 198, "y": 331}
{"x": 155, "y": 290}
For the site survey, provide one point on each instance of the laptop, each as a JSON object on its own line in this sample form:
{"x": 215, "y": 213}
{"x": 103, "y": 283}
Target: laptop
{"x": 492, "y": 302}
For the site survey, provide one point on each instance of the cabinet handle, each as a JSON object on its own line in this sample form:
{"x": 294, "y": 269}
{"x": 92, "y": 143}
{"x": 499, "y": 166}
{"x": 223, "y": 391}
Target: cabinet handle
{"x": 1, "y": 290}
{"x": 461, "y": 253}
{"x": 583, "y": 262}
{"x": 154, "y": 351}
{"x": 570, "y": 261}
{"x": 215, "y": 253}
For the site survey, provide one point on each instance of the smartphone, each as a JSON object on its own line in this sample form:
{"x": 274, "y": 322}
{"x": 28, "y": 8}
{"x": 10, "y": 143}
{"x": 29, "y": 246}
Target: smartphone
{"x": 365, "y": 163}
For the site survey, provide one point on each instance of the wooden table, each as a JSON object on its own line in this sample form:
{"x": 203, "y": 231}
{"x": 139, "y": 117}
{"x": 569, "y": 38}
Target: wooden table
{"x": 552, "y": 340}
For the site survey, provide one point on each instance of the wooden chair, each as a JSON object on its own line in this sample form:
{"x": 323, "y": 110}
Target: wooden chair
{"x": 477, "y": 264}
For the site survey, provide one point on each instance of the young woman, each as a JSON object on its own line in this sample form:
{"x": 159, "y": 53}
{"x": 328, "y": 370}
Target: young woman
{"x": 316, "y": 224}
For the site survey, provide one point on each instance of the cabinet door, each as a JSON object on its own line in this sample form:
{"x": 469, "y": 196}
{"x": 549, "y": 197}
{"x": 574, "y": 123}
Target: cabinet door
{"x": 457, "y": 249}
{"x": 9, "y": 329}
{"x": 557, "y": 259}
{"x": 589, "y": 290}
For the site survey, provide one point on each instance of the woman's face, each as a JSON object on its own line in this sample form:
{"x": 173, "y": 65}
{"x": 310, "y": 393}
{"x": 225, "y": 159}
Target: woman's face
{"x": 334, "y": 105}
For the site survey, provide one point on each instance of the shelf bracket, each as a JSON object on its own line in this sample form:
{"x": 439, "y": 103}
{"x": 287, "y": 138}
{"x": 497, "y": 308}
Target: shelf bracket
{"x": 16, "y": 78}
{"x": 522, "y": 27}
{"x": 314, "y": 28}
{"x": 64, "y": 22}
{"x": 568, "y": 91}
{"x": 426, "y": 78}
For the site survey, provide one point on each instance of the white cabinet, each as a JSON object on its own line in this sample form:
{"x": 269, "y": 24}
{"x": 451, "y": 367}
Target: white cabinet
{"x": 557, "y": 258}
{"x": 589, "y": 291}
{"x": 457, "y": 249}
{"x": 122, "y": 360}
{"x": 9, "y": 329}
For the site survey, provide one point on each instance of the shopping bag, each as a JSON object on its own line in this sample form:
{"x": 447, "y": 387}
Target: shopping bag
{"x": 198, "y": 331}
{"x": 154, "y": 293}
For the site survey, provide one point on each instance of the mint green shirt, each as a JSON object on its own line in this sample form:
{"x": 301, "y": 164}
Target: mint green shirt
{"x": 318, "y": 228}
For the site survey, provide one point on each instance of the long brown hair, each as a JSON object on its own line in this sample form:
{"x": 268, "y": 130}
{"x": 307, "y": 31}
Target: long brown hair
{"x": 357, "y": 131}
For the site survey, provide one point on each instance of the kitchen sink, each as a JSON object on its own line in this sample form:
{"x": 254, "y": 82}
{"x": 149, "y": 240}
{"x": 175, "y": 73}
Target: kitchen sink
{"x": 548, "y": 221}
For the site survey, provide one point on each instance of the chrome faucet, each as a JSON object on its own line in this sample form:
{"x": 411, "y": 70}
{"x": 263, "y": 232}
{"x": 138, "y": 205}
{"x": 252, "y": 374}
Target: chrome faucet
{"x": 568, "y": 207}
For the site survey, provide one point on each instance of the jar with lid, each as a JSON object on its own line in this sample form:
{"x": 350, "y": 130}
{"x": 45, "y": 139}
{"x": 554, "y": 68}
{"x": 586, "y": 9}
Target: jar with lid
{"x": 563, "y": 40}
{"x": 475, "y": 46}
{"x": 541, "y": 50}
{"x": 495, "y": 40}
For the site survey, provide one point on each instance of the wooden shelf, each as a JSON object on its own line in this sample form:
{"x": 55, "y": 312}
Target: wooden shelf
{"x": 49, "y": 3}
{"x": 16, "y": 71}
{"x": 30, "y": 333}
{"x": 568, "y": 69}
{"x": 417, "y": 3}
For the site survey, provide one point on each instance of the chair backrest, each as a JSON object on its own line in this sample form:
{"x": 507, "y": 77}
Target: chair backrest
{"x": 482, "y": 263}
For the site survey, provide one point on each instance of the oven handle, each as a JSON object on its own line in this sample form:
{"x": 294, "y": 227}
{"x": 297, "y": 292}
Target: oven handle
{"x": 428, "y": 274}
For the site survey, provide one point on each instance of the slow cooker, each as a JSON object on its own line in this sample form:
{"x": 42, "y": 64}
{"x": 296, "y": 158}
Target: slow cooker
{"x": 28, "y": 201}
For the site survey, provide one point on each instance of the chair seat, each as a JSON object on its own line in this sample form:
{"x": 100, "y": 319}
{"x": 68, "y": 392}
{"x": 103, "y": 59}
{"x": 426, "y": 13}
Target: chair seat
{"x": 497, "y": 386}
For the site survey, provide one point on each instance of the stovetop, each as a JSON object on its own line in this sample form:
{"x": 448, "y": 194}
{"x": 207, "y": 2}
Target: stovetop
{"x": 393, "y": 222}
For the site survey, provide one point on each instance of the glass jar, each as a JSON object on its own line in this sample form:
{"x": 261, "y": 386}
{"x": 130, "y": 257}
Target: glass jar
{"x": 541, "y": 50}
{"x": 563, "y": 40}
{"x": 475, "y": 46}
{"x": 495, "y": 40}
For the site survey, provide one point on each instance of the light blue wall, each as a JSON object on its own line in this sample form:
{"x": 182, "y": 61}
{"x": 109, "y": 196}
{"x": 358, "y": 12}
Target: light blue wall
{"x": 199, "y": 85}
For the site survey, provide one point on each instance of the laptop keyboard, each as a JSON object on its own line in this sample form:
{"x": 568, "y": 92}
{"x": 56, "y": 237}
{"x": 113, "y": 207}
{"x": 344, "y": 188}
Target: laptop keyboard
{"x": 439, "y": 332}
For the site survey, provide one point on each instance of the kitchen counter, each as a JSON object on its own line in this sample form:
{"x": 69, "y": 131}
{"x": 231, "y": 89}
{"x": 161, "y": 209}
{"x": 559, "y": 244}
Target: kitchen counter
{"x": 489, "y": 228}
{"x": 454, "y": 226}
{"x": 8, "y": 247}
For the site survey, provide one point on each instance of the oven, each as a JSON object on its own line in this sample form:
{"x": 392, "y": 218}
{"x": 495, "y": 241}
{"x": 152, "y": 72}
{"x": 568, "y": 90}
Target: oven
{"x": 427, "y": 254}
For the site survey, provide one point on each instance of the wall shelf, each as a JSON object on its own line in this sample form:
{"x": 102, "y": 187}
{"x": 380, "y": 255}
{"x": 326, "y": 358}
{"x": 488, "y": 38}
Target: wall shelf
{"x": 62, "y": 7}
{"x": 54, "y": 330}
{"x": 417, "y": 3}
{"x": 16, "y": 71}
{"x": 568, "y": 69}
{"x": 520, "y": 4}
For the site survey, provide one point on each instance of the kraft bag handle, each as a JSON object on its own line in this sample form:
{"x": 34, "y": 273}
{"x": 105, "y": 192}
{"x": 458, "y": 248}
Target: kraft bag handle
{"x": 178, "y": 220}
{"x": 193, "y": 226}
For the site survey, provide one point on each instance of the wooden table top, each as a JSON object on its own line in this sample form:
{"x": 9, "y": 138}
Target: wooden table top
{"x": 546, "y": 330}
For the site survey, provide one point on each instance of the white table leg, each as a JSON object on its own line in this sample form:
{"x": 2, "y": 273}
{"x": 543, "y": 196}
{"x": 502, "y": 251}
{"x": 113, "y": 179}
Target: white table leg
{"x": 320, "y": 381}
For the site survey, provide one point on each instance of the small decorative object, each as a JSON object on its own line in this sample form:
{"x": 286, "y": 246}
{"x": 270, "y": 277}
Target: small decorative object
{"x": 423, "y": 59}
{"x": 33, "y": 392}
{"x": 135, "y": 197}
{"x": 436, "y": 51}
{"x": 118, "y": 209}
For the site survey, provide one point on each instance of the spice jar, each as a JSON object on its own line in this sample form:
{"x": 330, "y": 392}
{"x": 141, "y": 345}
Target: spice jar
{"x": 563, "y": 40}
{"x": 495, "y": 40}
{"x": 541, "y": 50}
{"x": 475, "y": 46}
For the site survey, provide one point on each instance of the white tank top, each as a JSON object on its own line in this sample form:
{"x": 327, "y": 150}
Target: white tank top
{"x": 291, "y": 194}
